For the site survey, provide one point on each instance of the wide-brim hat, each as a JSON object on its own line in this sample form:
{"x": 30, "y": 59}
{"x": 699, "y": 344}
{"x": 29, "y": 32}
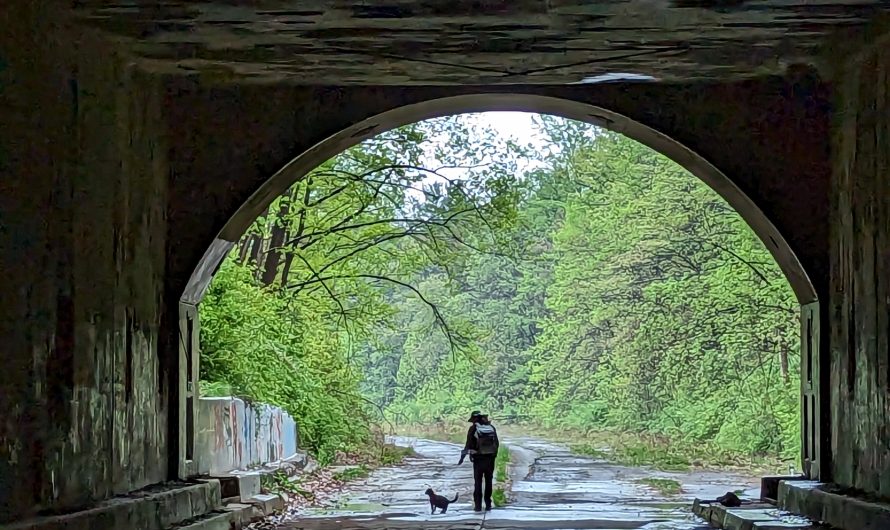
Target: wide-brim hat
{"x": 473, "y": 415}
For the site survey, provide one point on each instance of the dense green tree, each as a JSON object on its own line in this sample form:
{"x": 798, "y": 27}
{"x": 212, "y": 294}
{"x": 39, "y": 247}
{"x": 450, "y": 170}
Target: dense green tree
{"x": 587, "y": 282}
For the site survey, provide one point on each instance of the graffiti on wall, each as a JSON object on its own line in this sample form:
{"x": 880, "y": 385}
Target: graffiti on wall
{"x": 232, "y": 434}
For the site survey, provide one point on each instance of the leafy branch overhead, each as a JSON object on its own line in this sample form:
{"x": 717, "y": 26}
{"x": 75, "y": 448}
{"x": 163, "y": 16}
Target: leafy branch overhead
{"x": 378, "y": 214}
{"x": 582, "y": 281}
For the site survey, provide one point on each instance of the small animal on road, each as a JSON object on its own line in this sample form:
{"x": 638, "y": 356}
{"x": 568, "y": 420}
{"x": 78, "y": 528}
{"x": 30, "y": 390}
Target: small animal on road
{"x": 730, "y": 500}
{"x": 438, "y": 501}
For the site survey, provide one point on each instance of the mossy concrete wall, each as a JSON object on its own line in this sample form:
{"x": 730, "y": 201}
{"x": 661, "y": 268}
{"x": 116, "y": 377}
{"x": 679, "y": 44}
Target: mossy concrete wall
{"x": 83, "y": 235}
{"x": 116, "y": 182}
{"x": 860, "y": 272}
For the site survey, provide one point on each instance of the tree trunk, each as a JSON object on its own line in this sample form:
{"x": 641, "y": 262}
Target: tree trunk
{"x": 244, "y": 248}
{"x": 783, "y": 360}
{"x": 255, "y": 245}
{"x": 262, "y": 254}
{"x": 273, "y": 257}
{"x": 285, "y": 270}
{"x": 276, "y": 240}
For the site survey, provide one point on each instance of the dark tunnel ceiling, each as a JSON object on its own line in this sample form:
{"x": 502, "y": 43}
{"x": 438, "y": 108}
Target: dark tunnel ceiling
{"x": 476, "y": 41}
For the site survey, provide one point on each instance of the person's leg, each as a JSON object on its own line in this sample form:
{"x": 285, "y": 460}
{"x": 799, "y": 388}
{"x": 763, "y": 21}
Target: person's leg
{"x": 489, "y": 476}
{"x": 478, "y": 469}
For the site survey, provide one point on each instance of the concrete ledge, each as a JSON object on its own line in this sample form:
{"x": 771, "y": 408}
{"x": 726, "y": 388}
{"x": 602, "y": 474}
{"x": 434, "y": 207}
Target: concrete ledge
{"x": 268, "y": 504}
{"x": 769, "y": 487}
{"x": 213, "y": 521}
{"x": 818, "y": 502}
{"x": 758, "y": 516}
{"x": 243, "y": 514}
{"x": 156, "y": 508}
{"x": 241, "y": 486}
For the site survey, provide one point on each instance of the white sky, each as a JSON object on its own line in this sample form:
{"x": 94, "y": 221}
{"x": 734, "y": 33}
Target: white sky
{"x": 518, "y": 126}
{"x": 511, "y": 124}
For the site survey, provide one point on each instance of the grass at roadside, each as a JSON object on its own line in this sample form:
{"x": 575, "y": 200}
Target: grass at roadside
{"x": 664, "y": 486}
{"x": 501, "y": 478}
{"x": 352, "y": 473}
{"x": 453, "y": 433}
{"x": 636, "y": 454}
{"x": 659, "y": 452}
{"x": 500, "y": 464}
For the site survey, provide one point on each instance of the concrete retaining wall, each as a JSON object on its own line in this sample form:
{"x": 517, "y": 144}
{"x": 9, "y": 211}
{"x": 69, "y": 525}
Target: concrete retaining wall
{"x": 232, "y": 435}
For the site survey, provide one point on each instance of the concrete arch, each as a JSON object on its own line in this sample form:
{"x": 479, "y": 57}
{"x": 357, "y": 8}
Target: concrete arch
{"x": 306, "y": 161}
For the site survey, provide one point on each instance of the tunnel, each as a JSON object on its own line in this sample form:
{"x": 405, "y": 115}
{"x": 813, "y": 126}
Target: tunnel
{"x": 139, "y": 143}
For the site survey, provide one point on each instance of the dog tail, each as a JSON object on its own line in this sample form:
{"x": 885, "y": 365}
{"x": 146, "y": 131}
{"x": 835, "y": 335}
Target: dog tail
{"x": 455, "y": 498}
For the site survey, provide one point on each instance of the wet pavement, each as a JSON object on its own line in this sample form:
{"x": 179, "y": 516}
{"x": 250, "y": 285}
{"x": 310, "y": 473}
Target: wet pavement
{"x": 552, "y": 489}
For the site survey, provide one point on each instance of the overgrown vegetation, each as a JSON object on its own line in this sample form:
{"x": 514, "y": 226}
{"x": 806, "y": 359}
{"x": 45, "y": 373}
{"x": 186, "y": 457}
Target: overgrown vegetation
{"x": 590, "y": 286}
{"x": 278, "y": 482}
{"x": 500, "y": 464}
{"x": 501, "y": 478}
{"x": 664, "y": 486}
{"x": 352, "y": 473}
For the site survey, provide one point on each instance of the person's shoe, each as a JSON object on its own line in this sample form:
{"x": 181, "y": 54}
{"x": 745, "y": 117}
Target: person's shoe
{"x": 477, "y": 508}
{"x": 488, "y": 508}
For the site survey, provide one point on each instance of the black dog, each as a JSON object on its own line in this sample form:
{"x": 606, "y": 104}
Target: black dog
{"x": 438, "y": 501}
{"x": 730, "y": 500}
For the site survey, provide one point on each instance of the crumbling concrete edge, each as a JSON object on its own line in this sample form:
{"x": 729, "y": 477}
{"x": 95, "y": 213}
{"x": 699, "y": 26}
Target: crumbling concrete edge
{"x": 816, "y": 501}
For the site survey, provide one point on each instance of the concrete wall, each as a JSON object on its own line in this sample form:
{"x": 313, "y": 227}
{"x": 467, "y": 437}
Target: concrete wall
{"x": 83, "y": 180}
{"x": 114, "y": 183}
{"x": 232, "y": 434}
{"x": 860, "y": 274}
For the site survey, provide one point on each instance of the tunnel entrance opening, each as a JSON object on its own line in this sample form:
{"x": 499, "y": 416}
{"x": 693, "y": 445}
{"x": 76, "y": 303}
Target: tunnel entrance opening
{"x": 709, "y": 174}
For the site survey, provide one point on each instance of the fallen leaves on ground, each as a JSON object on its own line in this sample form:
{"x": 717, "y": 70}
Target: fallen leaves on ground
{"x": 315, "y": 490}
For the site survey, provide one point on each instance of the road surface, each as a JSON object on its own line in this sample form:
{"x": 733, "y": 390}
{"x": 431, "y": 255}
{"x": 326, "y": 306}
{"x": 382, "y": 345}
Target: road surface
{"x": 552, "y": 489}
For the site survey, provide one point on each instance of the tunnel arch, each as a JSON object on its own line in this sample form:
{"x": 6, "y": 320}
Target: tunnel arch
{"x": 308, "y": 160}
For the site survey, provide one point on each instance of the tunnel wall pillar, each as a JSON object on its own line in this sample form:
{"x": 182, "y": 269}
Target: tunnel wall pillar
{"x": 815, "y": 392}
{"x": 860, "y": 272}
{"x": 83, "y": 226}
{"x": 189, "y": 356}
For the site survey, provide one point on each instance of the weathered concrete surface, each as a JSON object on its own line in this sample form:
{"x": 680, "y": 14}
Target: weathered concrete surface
{"x": 755, "y": 516}
{"x": 83, "y": 388}
{"x": 860, "y": 274}
{"x": 235, "y": 435}
{"x": 116, "y": 182}
{"x": 776, "y": 173}
{"x": 561, "y": 490}
{"x": 373, "y": 42}
{"x": 826, "y": 503}
{"x": 156, "y": 508}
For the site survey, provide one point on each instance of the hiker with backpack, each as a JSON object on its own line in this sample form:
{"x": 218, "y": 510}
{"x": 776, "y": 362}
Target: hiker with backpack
{"x": 482, "y": 446}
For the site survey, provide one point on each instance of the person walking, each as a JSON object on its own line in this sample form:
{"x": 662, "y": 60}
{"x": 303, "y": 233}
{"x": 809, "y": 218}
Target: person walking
{"x": 482, "y": 447}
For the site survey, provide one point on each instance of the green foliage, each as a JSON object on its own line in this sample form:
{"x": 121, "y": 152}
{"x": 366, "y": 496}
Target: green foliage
{"x": 664, "y": 486}
{"x": 501, "y": 478}
{"x": 500, "y": 464}
{"x": 307, "y": 289}
{"x": 279, "y": 482}
{"x": 499, "y": 497}
{"x": 627, "y": 296}
{"x": 352, "y": 473}
{"x": 591, "y": 286}
{"x": 263, "y": 350}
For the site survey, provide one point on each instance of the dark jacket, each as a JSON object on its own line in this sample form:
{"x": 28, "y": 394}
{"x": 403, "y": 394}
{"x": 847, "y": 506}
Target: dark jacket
{"x": 472, "y": 444}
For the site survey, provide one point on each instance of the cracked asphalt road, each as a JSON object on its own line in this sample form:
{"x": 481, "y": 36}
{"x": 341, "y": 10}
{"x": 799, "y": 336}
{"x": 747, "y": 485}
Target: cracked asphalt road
{"x": 552, "y": 489}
